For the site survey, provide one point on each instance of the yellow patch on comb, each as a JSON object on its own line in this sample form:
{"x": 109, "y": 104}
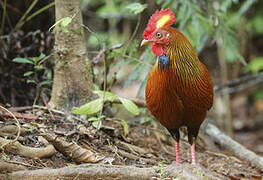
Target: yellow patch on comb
{"x": 162, "y": 21}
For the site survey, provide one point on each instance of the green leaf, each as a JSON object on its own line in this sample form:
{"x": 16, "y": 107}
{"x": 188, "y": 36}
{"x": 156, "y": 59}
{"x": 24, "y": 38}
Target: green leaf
{"x": 106, "y": 95}
{"x": 136, "y": 8}
{"x": 64, "y": 22}
{"x": 93, "y": 119}
{"x": 255, "y": 65}
{"x": 125, "y": 127}
{"x": 37, "y": 59}
{"x": 41, "y": 56}
{"x": 28, "y": 73}
{"x": 89, "y": 108}
{"x": 130, "y": 106}
{"x": 22, "y": 60}
{"x": 97, "y": 124}
{"x": 47, "y": 82}
{"x": 49, "y": 74}
{"x": 145, "y": 119}
{"x": 31, "y": 81}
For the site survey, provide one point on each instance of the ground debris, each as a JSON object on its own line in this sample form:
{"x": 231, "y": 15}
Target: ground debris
{"x": 139, "y": 149}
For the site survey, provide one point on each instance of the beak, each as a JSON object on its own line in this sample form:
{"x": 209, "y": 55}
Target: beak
{"x": 145, "y": 42}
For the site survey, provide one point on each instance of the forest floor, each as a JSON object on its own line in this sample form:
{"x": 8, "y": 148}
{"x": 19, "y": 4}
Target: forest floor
{"x": 77, "y": 141}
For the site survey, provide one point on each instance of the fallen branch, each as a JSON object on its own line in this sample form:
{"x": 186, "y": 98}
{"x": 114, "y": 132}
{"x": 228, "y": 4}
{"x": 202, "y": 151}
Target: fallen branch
{"x": 228, "y": 143}
{"x": 108, "y": 172}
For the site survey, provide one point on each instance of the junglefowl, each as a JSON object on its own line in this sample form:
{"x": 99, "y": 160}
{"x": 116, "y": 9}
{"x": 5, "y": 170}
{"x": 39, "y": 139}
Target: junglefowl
{"x": 179, "y": 90}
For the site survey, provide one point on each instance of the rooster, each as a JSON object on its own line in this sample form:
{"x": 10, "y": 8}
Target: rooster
{"x": 179, "y": 89}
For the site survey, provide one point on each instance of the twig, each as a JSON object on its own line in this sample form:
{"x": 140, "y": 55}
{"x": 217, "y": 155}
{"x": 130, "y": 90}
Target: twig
{"x": 18, "y": 130}
{"x": 47, "y": 106}
{"x": 250, "y": 79}
{"x": 3, "y": 18}
{"x": 138, "y": 102}
{"x": 133, "y": 34}
{"x": 18, "y": 109}
{"x": 20, "y": 22}
{"x": 245, "y": 86}
{"x": 103, "y": 51}
{"x": 58, "y": 112}
{"x": 39, "y": 11}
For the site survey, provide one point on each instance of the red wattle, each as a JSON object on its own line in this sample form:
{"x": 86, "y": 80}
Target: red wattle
{"x": 157, "y": 49}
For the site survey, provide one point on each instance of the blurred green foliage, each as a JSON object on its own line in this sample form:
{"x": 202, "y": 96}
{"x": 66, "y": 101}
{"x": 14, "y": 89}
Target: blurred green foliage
{"x": 38, "y": 66}
{"x": 255, "y": 65}
{"x": 258, "y": 94}
{"x": 203, "y": 22}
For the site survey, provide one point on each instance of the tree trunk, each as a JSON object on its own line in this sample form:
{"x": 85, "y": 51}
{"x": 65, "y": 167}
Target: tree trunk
{"x": 73, "y": 79}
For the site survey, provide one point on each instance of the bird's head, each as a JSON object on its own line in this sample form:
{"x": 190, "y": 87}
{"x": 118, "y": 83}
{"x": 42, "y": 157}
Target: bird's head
{"x": 157, "y": 32}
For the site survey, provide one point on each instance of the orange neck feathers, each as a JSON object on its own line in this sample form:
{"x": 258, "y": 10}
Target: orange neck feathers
{"x": 183, "y": 58}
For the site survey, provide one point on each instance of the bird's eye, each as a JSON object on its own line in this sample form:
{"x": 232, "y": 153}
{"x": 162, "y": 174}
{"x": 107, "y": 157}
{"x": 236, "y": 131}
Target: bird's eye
{"x": 158, "y": 34}
{"x": 167, "y": 35}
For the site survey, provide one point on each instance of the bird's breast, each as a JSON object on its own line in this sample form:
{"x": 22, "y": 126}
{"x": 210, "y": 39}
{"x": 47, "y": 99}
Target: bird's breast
{"x": 161, "y": 98}
{"x": 176, "y": 94}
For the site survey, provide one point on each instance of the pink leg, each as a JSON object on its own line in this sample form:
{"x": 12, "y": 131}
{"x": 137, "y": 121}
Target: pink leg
{"x": 176, "y": 144}
{"x": 193, "y": 153}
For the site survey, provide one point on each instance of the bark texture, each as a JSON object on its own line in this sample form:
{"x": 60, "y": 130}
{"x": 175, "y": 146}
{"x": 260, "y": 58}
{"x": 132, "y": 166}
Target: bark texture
{"x": 108, "y": 172}
{"x": 73, "y": 79}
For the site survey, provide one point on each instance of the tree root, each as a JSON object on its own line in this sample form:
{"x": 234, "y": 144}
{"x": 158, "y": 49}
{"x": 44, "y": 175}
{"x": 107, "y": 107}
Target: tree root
{"x": 10, "y": 167}
{"x": 72, "y": 150}
{"x": 30, "y": 152}
{"x": 239, "y": 150}
{"x": 107, "y": 172}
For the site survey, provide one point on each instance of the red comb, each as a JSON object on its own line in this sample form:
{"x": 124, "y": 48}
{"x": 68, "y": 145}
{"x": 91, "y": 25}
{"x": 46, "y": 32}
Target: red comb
{"x": 151, "y": 26}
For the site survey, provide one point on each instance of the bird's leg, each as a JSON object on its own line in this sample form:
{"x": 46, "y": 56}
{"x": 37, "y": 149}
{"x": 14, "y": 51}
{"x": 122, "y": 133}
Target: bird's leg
{"x": 177, "y": 151}
{"x": 192, "y": 134}
{"x": 193, "y": 153}
{"x": 176, "y": 135}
